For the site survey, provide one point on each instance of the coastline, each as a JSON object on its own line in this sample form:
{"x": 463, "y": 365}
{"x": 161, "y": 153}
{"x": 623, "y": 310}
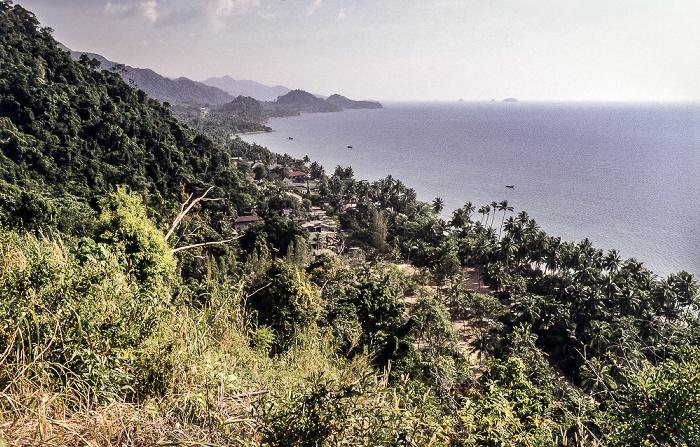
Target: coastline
{"x": 452, "y": 151}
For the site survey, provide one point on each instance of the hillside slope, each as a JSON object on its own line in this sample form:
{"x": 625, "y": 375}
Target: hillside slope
{"x": 71, "y": 132}
{"x": 176, "y": 91}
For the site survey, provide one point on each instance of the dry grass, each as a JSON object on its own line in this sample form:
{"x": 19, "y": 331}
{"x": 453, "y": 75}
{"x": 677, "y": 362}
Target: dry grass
{"x": 41, "y": 419}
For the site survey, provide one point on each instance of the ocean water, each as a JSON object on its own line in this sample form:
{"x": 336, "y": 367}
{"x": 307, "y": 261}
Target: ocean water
{"x": 625, "y": 176}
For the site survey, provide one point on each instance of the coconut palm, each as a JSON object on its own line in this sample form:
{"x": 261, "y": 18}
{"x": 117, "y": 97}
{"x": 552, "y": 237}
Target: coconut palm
{"x": 481, "y": 344}
{"x": 484, "y": 211}
{"x": 494, "y": 206}
{"x": 685, "y": 287}
{"x": 438, "y": 205}
{"x": 503, "y": 206}
{"x": 459, "y": 218}
{"x": 468, "y": 209}
{"x": 612, "y": 261}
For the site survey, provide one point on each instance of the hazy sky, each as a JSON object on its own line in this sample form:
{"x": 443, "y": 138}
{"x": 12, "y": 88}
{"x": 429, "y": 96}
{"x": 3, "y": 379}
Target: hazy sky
{"x": 609, "y": 50}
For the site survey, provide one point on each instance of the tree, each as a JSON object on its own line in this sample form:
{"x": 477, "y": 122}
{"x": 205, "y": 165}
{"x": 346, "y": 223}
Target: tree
{"x": 503, "y": 206}
{"x": 285, "y": 300}
{"x": 377, "y": 230}
{"x": 432, "y": 325}
{"x": 438, "y": 205}
{"x": 493, "y": 206}
{"x": 660, "y": 405}
{"x": 685, "y": 287}
{"x": 124, "y": 227}
{"x": 484, "y": 211}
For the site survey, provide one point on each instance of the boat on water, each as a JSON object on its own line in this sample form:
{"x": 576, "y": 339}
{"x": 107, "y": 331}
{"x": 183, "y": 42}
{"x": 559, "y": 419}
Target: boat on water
{"x": 349, "y": 147}
{"x": 510, "y": 186}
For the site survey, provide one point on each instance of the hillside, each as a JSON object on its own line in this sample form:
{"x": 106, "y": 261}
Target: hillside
{"x": 70, "y": 134}
{"x": 346, "y": 103}
{"x": 175, "y": 91}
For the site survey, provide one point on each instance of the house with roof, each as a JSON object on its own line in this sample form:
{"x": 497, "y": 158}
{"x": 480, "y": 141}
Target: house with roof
{"x": 298, "y": 176}
{"x": 243, "y": 222}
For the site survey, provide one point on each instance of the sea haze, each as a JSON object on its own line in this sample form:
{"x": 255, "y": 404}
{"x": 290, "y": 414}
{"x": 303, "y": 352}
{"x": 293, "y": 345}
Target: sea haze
{"x": 624, "y": 176}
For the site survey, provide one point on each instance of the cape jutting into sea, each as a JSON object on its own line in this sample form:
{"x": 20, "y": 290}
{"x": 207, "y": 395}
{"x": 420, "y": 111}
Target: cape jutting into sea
{"x": 625, "y": 176}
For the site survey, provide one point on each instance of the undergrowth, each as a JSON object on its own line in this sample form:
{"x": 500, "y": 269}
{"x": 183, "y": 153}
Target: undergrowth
{"x": 91, "y": 357}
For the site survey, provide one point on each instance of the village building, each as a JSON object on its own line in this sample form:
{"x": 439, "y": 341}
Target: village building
{"x": 243, "y": 222}
{"x": 298, "y": 176}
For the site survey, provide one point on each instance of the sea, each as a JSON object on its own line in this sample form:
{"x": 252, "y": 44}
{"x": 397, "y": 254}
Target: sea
{"x": 625, "y": 176}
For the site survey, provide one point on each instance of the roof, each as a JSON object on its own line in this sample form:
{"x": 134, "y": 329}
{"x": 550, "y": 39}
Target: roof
{"x": 242, "y": 219}
{"x": 297, "y": 174}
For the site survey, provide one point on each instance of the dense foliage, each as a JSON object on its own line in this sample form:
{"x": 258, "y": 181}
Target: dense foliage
{"x": 128, "y": 316}
{"x": 243, "y": 114}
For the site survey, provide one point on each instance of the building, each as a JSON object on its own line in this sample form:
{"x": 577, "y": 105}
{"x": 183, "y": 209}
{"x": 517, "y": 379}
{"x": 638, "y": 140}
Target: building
{"x": 243, "y": 222}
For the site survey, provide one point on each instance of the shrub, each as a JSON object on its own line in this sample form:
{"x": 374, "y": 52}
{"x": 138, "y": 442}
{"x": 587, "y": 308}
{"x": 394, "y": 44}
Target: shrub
{"x": 71, "y": 321}
{"x": 124, "y": 227}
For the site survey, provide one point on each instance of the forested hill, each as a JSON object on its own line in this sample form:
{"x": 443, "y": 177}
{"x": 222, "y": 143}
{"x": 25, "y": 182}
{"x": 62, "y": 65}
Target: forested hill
{"x": 298, "y": 101}
{"x": 69, "y": 133}
{"x": 176, "y": 91}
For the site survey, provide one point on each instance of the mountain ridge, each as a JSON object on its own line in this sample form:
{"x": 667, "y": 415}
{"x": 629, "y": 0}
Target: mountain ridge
{"x": 181, "y": 90}
{"x": 245, "y": 87}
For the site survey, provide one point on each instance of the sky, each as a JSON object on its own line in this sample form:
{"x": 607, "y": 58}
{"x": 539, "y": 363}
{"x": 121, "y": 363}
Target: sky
{"x": 403, "y": 50}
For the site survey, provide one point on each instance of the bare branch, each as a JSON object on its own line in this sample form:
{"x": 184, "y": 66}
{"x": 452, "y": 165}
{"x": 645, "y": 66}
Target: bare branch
{"x": 184, "y": 211}
{"x": 203, "y": 244}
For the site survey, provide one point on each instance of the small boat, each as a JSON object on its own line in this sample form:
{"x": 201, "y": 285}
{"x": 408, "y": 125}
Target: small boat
{"x": 510, "y": 186}
{"x": 290, "y": 138}
{"x": 349, "y": 147}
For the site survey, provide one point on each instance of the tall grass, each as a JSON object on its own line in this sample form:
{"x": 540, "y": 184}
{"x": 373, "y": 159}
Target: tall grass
{"x": 88, "y": 357}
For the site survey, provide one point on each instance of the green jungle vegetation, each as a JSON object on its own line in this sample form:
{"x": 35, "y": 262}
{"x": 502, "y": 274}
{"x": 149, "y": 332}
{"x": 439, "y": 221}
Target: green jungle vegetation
{"x": 133, "y": 313}
{"x": 220, "y": 123}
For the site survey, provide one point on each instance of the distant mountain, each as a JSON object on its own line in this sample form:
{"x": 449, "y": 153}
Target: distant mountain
{"x": 256, "y": 90}
{"x": 177, "y": 91}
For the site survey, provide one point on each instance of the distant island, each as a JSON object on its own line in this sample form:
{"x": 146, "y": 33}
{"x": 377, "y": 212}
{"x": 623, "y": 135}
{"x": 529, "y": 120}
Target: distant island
{"x": 510, "y": 100}
{"x": 298, "y": 101}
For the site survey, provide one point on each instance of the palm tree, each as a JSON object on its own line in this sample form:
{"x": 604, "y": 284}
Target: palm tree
{"x": 503, "y": 206}
{"x": 612, "y": 261}
{"x": 484, "y": 211}
{"x": 459, "y": 218}
{"x": 494, "y": 206}
{"x": 509, "y": 247}
{"x": 523, "y": 217}
{"x": 481, "y": 344}
{"x": 496, "y": 275}
{"x": 438, "y": 205}
{"x": 468, "y": 209}
{"x": 685, "y": 287}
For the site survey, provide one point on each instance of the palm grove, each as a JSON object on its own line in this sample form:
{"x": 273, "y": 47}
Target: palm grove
{"x": 113, "y": 333}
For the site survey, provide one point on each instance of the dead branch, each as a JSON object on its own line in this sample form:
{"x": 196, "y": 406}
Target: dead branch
{"x": 203, "y": 244}
{"x": 184, "y": 211}
{"x": 251, "y": 394}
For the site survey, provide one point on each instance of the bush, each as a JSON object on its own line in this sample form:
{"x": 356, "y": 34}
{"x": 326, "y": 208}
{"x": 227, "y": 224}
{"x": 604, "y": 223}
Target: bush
{"x": 71, "y": 320}
{"x": 286, "y": 301}
{"x": 358, "y": 412}
{"x": 124, "y": 227}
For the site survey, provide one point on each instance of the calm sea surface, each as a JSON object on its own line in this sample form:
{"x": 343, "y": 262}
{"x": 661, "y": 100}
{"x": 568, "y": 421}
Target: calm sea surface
{"x": 624, "y": 176}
